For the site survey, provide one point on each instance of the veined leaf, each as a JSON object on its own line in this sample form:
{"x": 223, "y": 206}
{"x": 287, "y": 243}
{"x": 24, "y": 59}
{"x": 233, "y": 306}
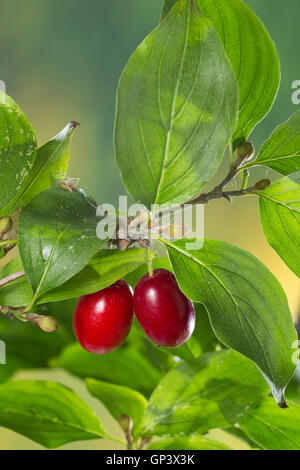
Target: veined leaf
{"x": 281, "y": 151}
{"x": 47, "y": 413}
{"x": 57, "y": 238}
{"x": 127, "y": 366}
{"x": 247, "y": 306}
{"x": 176, "y": 109}
{"x": 51, "y": 163}
{"x": 280, "y": 218}
{"x": 17, "y": 150}
{"x": 194, "y": 442}
{"x": 119, "y": 401}
{"x": 212, "y": 391}
{"x": 252, "y": 54}
{"x": 103, "y": 270}
{"x": 272, "y": 428}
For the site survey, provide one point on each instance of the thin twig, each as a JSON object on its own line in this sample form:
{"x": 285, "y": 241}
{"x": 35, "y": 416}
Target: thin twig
{"x": 11, "y": 278}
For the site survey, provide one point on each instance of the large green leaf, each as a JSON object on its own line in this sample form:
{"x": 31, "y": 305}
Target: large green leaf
{"x": 119, "y": 401}
{"x": 47, "y": 413}
{"x": 57, "y": 238}
{"x": 17, "y": 150}
{"x": 213, "y": 391}
{"x": 280, "y": 217}
{"x": 281, "y": 151}
{"x": 51, "y": 164}
{"x": 128, "y": 367}
{"x": 103, "y": 270}
{"x": 247, "y": 306}
{"x": 272, "y": 428}
{"x": 252, "y": 55}
{"x": 176, "y": 109}
{"x": 195, "y": 442}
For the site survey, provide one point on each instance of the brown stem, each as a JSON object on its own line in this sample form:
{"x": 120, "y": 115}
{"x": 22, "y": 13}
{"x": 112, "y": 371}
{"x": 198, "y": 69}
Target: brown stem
{"x": 11, "y": 278}
{"x": 144, "y": 441}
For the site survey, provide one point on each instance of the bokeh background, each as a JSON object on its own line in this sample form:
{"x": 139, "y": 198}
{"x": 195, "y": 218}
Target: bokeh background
{"x": 61, "y": 60}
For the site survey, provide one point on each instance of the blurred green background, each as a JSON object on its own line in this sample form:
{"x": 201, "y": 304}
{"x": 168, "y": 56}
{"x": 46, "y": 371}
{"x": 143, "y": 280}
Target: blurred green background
{"x": 61, "y": 60}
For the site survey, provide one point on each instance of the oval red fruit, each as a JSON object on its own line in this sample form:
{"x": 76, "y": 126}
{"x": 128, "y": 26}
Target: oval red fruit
{"x": 102, "y": 321}
{"x": 166, "y": 315}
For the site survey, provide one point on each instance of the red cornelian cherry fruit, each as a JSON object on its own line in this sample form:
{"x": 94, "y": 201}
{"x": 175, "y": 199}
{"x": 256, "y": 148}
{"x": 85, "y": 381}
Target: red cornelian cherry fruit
{"x": 102, "y": 321}
{"x": 166, "y": 315}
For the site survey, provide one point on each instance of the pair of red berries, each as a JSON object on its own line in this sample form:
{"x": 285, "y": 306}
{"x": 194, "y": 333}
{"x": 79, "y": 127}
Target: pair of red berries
{"x": 103, "y": 320}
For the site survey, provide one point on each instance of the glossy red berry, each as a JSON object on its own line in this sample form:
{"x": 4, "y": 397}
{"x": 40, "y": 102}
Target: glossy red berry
{"x": 166, "y": 315}
{"x": 102, "y": 321}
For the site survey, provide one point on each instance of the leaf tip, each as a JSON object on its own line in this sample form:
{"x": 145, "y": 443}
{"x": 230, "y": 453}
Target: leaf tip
{"x": 283, "y": 404}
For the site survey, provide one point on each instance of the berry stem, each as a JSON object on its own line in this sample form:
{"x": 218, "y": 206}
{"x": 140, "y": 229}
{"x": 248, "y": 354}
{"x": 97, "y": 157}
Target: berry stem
{"x": 8, "y": 242}
{"x": 150, "y": 266}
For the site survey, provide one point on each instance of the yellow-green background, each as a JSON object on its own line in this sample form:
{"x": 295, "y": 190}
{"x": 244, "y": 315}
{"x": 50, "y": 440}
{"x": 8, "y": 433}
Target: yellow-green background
{"x": 61, "y": 60}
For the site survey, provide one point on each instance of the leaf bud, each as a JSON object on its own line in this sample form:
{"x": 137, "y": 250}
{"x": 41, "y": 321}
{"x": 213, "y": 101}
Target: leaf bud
{"x": 262, "y": 184}
{"x": 125, "y": 423}
{"x": 245, "y": 152}
{"x": 5, "y": 225}
{"x": 47, "y": 324}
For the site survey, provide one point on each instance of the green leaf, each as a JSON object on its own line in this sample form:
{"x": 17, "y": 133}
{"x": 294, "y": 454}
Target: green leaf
{"x": 57, "y": 238}
{"x": 187, "y": 443}
{"x": 17, "y": 293}
{"x": 36, "y": 349}
{"x": 47, "y": 413}
{"x": 247, "y": 306}
{"x": 8, "y": 369}
{"x": 253, "y": 57}
{"x": 119, "y": 401}
{"x": 280, "y": 217}
{"x": 17, "y": 150}
{"x": 51, "y": 165}
{"x": 127, "y": 367}
{"x": 167, "y": 6}
{"x": 213, "y": 391}
{"x": 103, "y": 270}
{"x": 237, "y": 432}
{"x": 157, "y": 263}
{"x": 281, "y": 151}
{"x": 176, "y": 109}
{"x": 273, "y": 428}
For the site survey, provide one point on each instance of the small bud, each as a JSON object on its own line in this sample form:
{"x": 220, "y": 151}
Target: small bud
{"x": 5, "y": 225}
{"x": 125, "y": 423}
{"x": 144, "y": 243}
{"x": 245, "y": 152}
{"x": 262, "y": 184}
{"x": 47, "y": 324}
{"x": 122, "y": 245}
